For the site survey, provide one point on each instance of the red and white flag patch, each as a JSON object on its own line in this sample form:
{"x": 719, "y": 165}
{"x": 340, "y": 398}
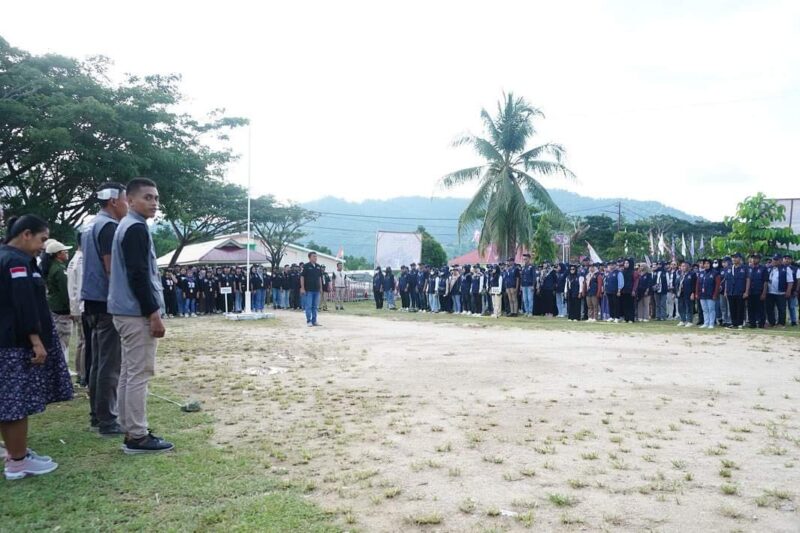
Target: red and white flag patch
{"x": 18, "y": 272}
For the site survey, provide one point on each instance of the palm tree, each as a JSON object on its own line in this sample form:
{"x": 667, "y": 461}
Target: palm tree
{"x": 506, "y": 181}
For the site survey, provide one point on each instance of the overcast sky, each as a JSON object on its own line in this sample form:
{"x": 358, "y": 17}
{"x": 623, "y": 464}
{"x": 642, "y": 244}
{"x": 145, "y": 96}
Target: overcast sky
{"x": 697, "y": 107}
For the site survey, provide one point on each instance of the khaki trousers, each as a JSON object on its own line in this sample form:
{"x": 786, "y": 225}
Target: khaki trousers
{"x": 63, "y": 325}
{"x": 138, "y": 366}
{"x": 513, "y": 301}
{"x": 593, "y": 309}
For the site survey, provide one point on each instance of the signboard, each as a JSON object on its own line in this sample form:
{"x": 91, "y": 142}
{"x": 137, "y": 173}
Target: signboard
{"x": 396, "y": 248}
{"x": 226, "y": 290}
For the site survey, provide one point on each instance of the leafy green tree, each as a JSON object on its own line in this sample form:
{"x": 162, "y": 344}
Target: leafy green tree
{"x": 356, "y": 263}
{"x": 319, "y": 248}
{"x": 543, "y": 247}
{"x": 65, "y": 128}
{"x": 164, "y": 240}
{"x": 278, "y": 225}
{"x": 211, "y": 208}
{"x": 432, "y": 251}
{"x": 755, "y": 228}
{"x": 600, "y": 233}
{"x": 636, "y": 244}
{"x": 506, "y": 180}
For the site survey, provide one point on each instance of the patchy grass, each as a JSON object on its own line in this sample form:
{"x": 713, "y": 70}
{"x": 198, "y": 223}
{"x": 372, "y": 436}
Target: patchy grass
{"x": 197, "y": 487}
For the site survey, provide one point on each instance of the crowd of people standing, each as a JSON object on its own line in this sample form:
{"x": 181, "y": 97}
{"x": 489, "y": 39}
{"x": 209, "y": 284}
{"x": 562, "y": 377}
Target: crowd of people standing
{"x": 731, "y": 291}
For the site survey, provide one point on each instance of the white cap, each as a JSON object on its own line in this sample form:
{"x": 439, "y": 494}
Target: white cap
{"x": 55, "y": 247}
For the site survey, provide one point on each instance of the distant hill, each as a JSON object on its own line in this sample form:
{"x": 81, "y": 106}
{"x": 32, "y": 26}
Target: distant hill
{"x": 352, "y": 225}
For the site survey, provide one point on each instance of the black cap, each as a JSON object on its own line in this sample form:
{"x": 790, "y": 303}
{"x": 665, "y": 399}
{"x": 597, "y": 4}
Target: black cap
{"x": 737, "y": 254}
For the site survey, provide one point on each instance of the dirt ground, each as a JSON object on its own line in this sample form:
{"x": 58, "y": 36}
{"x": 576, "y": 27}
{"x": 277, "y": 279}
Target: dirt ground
{"x": 396, "y": 425}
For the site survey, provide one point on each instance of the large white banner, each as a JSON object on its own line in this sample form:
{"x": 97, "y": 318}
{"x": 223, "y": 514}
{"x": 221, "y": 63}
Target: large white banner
{"x": 395, "y": 248}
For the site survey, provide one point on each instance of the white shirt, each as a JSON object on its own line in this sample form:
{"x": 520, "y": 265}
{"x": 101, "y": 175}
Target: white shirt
{"x": 775, "y": 278}
{"x": 339, "y": 279}
{"x": 74, "y": 282}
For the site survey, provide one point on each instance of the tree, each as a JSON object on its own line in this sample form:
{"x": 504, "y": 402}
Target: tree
{"x": 164, "y": 240}
{"x": 432, "y": 251}
{"x": 754, "y": 228}
{"x": 211, "y": 208}
{"x": 629, "y": 244}
{"x": 543, "y": 247}
{"x": 65, "y": 129}
{"x": 356, "y": 263}
{"x": 311, "y": 245}
{"x": 278, "y": 225}
{"x": 600, "y": 233}
{"x": 505, "y": 180}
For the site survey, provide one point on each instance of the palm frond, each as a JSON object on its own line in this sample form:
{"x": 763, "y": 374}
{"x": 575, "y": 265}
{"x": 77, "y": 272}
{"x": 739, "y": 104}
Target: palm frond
{"x": 459, "y": 177}
{"x": 539, "y": 195}
{"x": 476, "y": 209}
{"x": 482, "y": 146}
{"x": 548, "y": 168}
{"x": 490, "y": 126}
{"x": 550, "y": 149}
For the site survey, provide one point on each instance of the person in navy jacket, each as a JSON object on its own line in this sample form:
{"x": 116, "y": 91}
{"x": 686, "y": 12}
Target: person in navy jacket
{"x": 685, "y": 294}
{"x": 735, "y": 285}
{"x": 707, "y": 290}
{"x": 756, "y": 292}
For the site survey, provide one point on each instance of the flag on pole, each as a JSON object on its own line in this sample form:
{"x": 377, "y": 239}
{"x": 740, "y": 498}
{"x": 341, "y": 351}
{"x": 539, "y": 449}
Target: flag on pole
{"x": 593, "y": 254}
{"x": 648, "y": 261}
{"x": 652, "y": 244}
{"x": 683, "y": 245}
{"x": 340, "y": 255}
{"x": 691, "y": 248}
{"x": 662, "y": 246}
{"x": 626, "y": 246}
{"x": 672, "y": 248}
{"x": 702, "y": 243}
{"x": 476, "y": 236}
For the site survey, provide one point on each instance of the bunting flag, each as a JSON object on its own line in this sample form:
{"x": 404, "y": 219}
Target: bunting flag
{"x": 662, "y": 246}
{"x": 691, "y": 248}
{"x": 683, "y": 245}
{"x": 652, "y": 244}
{"x": 593, "y": 254}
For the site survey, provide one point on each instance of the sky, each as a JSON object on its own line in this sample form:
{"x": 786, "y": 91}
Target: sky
{"x": 694, "y": 104}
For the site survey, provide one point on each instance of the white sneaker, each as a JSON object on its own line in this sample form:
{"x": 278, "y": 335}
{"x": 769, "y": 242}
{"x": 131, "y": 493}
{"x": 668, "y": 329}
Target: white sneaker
{"x": 703, "y": 327}
{"x": 688, "y": 325}
{"x": 645, "y": 320}
{"x": 681, "y": 324}
{"x": 29, "y": 466}
{"x": 709, "y": 327}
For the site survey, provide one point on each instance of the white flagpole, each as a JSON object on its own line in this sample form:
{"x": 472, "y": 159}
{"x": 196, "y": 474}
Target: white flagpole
{"x": 247, "y": 308}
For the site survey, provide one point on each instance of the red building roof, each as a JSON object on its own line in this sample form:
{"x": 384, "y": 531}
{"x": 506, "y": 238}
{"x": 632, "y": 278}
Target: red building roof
{"x": 489, "y": 257}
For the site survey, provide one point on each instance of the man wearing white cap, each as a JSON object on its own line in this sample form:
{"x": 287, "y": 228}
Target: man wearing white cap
{"x": 58, "y": 293}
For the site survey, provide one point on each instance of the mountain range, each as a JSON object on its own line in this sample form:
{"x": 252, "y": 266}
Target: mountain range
{"x": 352, "y": 226}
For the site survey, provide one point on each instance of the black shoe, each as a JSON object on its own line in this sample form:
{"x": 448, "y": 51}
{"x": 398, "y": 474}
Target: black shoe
{"x": 147, "y": 444}
{"x": 114, "y": 430}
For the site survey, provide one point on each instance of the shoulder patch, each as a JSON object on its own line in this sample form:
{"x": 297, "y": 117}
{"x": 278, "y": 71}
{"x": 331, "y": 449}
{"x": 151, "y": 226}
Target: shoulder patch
{"x": 18, "y": 272}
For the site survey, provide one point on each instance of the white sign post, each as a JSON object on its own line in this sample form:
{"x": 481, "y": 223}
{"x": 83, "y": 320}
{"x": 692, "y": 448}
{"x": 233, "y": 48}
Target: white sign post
{"x": 225, "y": 291}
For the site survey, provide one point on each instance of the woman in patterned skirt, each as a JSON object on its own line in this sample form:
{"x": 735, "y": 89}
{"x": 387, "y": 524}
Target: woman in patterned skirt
{"x": 33, "y": 371}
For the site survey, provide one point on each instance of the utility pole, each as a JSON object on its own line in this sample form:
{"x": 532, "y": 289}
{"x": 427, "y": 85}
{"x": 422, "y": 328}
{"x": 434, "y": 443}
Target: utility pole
{"x": 619, "y": 216}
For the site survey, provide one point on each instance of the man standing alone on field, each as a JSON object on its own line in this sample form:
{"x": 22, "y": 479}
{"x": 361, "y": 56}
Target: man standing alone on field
{"x": 135, "y": 299}
{"x": 310, "y": 285}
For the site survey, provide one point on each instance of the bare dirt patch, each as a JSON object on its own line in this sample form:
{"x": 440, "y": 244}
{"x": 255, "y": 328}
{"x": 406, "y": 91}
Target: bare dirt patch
{"x": 397, "y": 425}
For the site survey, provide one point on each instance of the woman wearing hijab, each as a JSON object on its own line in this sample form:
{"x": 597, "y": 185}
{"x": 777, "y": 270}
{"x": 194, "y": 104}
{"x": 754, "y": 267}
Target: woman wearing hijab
{"x": 572, "y": 292}
{"x": 561, "y": 281}
{"x": 33, "y": 371}
{"x": 389, "y": 287}
{"x": 626, "y": 294}
{"x": 546, "y": 291}
{"x": 643, "y": 285}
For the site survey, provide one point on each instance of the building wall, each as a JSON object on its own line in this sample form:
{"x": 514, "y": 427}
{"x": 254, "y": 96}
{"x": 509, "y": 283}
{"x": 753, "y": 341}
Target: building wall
{"x": 294, "y": 254}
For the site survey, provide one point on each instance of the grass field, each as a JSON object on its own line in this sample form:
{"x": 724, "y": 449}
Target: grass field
{"x": 199, "y": 487}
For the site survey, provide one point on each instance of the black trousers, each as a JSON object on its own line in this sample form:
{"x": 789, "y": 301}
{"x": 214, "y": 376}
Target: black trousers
{"x": 171, "y": 302}
{"x": 755, "y": 311}
{"x": 627, "y": 304}
{"x": 573, "y": 308}
{"x": 736, "y": 304}
{"x": 779, "y": 301}
{"x": 547, "y": 299}
{"x": 613, "y": 305}
{"x": 477, "y": 303}
{"x": 422, "y": 300}
{"x": 378, "y": 299}
{"x": 405, "y": 300}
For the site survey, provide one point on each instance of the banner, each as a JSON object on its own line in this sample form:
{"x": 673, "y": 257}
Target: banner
{"x": 395, "y": 248}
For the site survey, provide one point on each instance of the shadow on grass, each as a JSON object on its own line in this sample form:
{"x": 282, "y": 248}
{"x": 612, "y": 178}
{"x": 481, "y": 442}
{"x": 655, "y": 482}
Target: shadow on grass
{"x": 197, "y": 487}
